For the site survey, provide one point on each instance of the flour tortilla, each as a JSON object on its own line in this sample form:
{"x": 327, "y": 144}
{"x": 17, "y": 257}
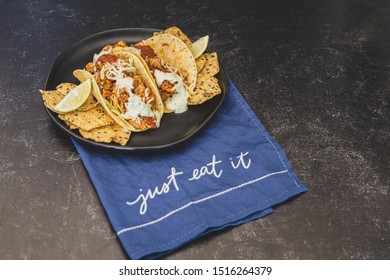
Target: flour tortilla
{"x": 175, "y": 31}
{"x": 175, "y": 53}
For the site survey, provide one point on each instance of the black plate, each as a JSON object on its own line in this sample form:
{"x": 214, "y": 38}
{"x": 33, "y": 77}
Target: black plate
{"x": 174, "y": 128}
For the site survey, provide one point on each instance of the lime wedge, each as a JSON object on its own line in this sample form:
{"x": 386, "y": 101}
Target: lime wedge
{"x": 75, "y": 98}
{"x": 198, "y": 48}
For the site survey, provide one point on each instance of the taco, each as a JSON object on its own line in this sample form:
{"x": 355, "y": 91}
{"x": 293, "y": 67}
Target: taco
{"x": 173, "y": 67}
{"x": 123, "y": 86}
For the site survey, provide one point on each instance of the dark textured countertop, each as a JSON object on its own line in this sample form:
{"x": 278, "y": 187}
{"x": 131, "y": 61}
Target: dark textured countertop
{"x": 316, "y": 73}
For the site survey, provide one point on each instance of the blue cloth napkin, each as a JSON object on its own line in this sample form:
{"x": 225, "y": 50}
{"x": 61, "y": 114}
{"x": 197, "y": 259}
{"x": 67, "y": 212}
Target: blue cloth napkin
{"x": 229, "y": 173}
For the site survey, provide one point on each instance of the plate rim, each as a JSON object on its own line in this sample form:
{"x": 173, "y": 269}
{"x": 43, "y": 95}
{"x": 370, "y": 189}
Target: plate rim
{"x": 116, "y": 146}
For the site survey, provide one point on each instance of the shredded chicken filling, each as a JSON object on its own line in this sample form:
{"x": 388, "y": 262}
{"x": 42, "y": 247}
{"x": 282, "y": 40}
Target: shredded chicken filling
{"x": 107, "y": 70}
{"x": 166, "y": 89}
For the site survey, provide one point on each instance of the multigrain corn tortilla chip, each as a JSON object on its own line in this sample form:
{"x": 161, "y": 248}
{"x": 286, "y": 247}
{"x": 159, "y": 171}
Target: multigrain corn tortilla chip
{"x": 51, "y": 98}
{"x": 200, "y": 62}
{"x": 71, "y": 126}
{"x": 107, "y": 134}
{"x": 103, "y": 134}
{"x": 206, "y": 84}
{"x": 175, "y": 31}
{"x": 206, "y": 88}
{"x": 90, "y": 103}
{"x": 121, "y": 136}
{"x": 88, "y": 120}
{"x": 211, "y": 67}
{"x": 64, "y": 88}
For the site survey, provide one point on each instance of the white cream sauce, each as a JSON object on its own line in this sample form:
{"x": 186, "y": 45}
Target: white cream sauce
{"x": 177, "y": 102}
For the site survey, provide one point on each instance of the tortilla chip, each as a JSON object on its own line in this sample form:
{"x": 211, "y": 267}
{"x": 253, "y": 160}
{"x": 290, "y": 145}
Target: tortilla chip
{"x": 91, "y": 119}
{"x": 90, "y": 103}
{"x": 51, "y": 98}
{"x": 71, "y": 125}
{"x": 64, "y": 88}
{"x": 200, "y": 62}
{"x": 175, "y": 31}
{"x": 211, "y": 67}
{"x": 206, "y": 88}
{"x": 209, "y": 86}
{"x": 206, "y": 84}
{"x": 103, "y": 134}
{"x": 121, "y": 136}
{"x": 88, "y": 120}
{"x": 107, "y": 134}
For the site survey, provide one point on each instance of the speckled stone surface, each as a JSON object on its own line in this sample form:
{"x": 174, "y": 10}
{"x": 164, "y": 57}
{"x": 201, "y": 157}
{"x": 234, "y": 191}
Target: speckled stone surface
{"x": 316, "y": 73}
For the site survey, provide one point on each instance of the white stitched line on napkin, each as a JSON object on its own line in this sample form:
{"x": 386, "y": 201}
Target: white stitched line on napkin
{"x": 200, "y": 200}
